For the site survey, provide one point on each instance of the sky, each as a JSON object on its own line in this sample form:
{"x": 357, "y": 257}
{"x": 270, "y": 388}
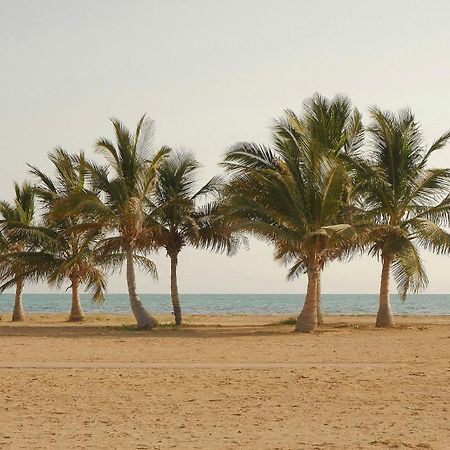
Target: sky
{"x": 211, "y": 73}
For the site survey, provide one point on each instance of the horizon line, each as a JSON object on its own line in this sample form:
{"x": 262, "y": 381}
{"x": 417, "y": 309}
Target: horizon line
{"x": 228, "y": 293}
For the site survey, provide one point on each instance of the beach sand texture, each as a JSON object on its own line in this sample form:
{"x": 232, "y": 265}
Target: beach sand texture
{"x": 244, "y": 384}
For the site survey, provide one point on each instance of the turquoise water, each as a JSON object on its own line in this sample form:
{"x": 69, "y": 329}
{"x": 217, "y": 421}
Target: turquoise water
{"x": 237, "y": 303}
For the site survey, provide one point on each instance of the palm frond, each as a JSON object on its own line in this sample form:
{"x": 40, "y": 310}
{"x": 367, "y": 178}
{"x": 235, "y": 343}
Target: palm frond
{"x": 408, "y": 270}
{"x": 147, "y": 265}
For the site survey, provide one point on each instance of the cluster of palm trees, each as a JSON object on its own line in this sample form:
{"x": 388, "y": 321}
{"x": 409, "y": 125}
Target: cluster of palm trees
{"x": 326, "y": 189}
{"x": 96, "y": 217}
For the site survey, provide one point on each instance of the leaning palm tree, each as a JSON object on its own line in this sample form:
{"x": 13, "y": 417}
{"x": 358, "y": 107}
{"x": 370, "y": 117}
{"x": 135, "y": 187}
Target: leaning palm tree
{"x": 18, "y": 214}
{"x": 117, "y": 203}
{"x": 407, "y": 203}
{"x": 178, "y": 218}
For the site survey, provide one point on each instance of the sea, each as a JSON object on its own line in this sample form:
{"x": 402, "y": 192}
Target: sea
{"x": 236, "y": 303}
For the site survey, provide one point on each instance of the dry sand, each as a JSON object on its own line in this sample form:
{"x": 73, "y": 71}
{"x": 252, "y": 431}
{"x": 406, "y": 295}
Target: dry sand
{"x": 244, "y": 384}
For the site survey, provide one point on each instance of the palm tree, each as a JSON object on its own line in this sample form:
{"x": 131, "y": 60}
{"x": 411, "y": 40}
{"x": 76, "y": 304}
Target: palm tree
{"x": 119, "y": 200}
{"x": 178, "y": 219}
{"x": 333, "y": 127}
{"x": 297, "y": 194}
{"x": 18, "y": 214}
{"x": 294, "y": 200}
{"x": 69, "y": 250}
{"x": 407, "y": 202}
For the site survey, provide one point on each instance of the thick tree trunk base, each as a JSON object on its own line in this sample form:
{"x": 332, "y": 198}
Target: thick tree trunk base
{"x": 385, "y": 319}
{"x": 302, "y": 326}
{"x": 144, "y": 320}
{"x": 147, "y": 323}
{"x": 305, "y": 323}
{"x": 18, "y": 316}
{"x": 76, "y": 318}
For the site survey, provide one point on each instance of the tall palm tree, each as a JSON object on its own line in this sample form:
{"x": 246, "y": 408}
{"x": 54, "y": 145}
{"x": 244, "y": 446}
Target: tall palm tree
{"x": 18, "y": 214}
{"x": 294, "y": 200}
{"x": 178, "y": 218}
{"x": 298, "y": 194}
{"x": 119, "y": 200}
{"x": 407, "y": 202}
{"x": 331, "y": 126}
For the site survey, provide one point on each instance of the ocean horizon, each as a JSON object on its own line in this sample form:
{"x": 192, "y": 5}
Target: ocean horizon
{"x": 434, "y": 304}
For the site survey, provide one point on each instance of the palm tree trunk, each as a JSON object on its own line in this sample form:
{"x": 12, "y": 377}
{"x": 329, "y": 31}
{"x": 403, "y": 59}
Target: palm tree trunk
{"x": 18, "y": 314}
{"x": 384, "y": 316}
{"x": 174, "y": 288}
{"x": 76, "y": 312}
{"x": 143, "y": 318}
{"x": 319, "y": 311}
{"x": 307, "y": 319}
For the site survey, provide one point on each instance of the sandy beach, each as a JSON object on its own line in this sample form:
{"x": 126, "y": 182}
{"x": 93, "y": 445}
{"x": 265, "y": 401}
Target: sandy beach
{"x": 224, "y": 382}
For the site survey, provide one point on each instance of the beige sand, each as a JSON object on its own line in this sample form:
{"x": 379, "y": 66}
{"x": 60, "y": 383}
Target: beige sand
{"x": 244, "y": 384}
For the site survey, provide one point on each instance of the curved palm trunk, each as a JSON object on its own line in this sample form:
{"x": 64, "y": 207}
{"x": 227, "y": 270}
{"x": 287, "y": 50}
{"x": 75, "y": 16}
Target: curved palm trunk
{"x": 143, "y": 318}
{"x": 307, "y": 319}
{"x": 319, "y": 311}
{"x": 18, "y": 314}
{"x": 174, "y": 288}
{"x": 384, "y": 316}
{"x": 76, "y": 312}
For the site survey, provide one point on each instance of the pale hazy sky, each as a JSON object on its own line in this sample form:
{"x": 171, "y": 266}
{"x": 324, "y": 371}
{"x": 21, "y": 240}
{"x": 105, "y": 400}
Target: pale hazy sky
{"x": 211, "y": 73}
